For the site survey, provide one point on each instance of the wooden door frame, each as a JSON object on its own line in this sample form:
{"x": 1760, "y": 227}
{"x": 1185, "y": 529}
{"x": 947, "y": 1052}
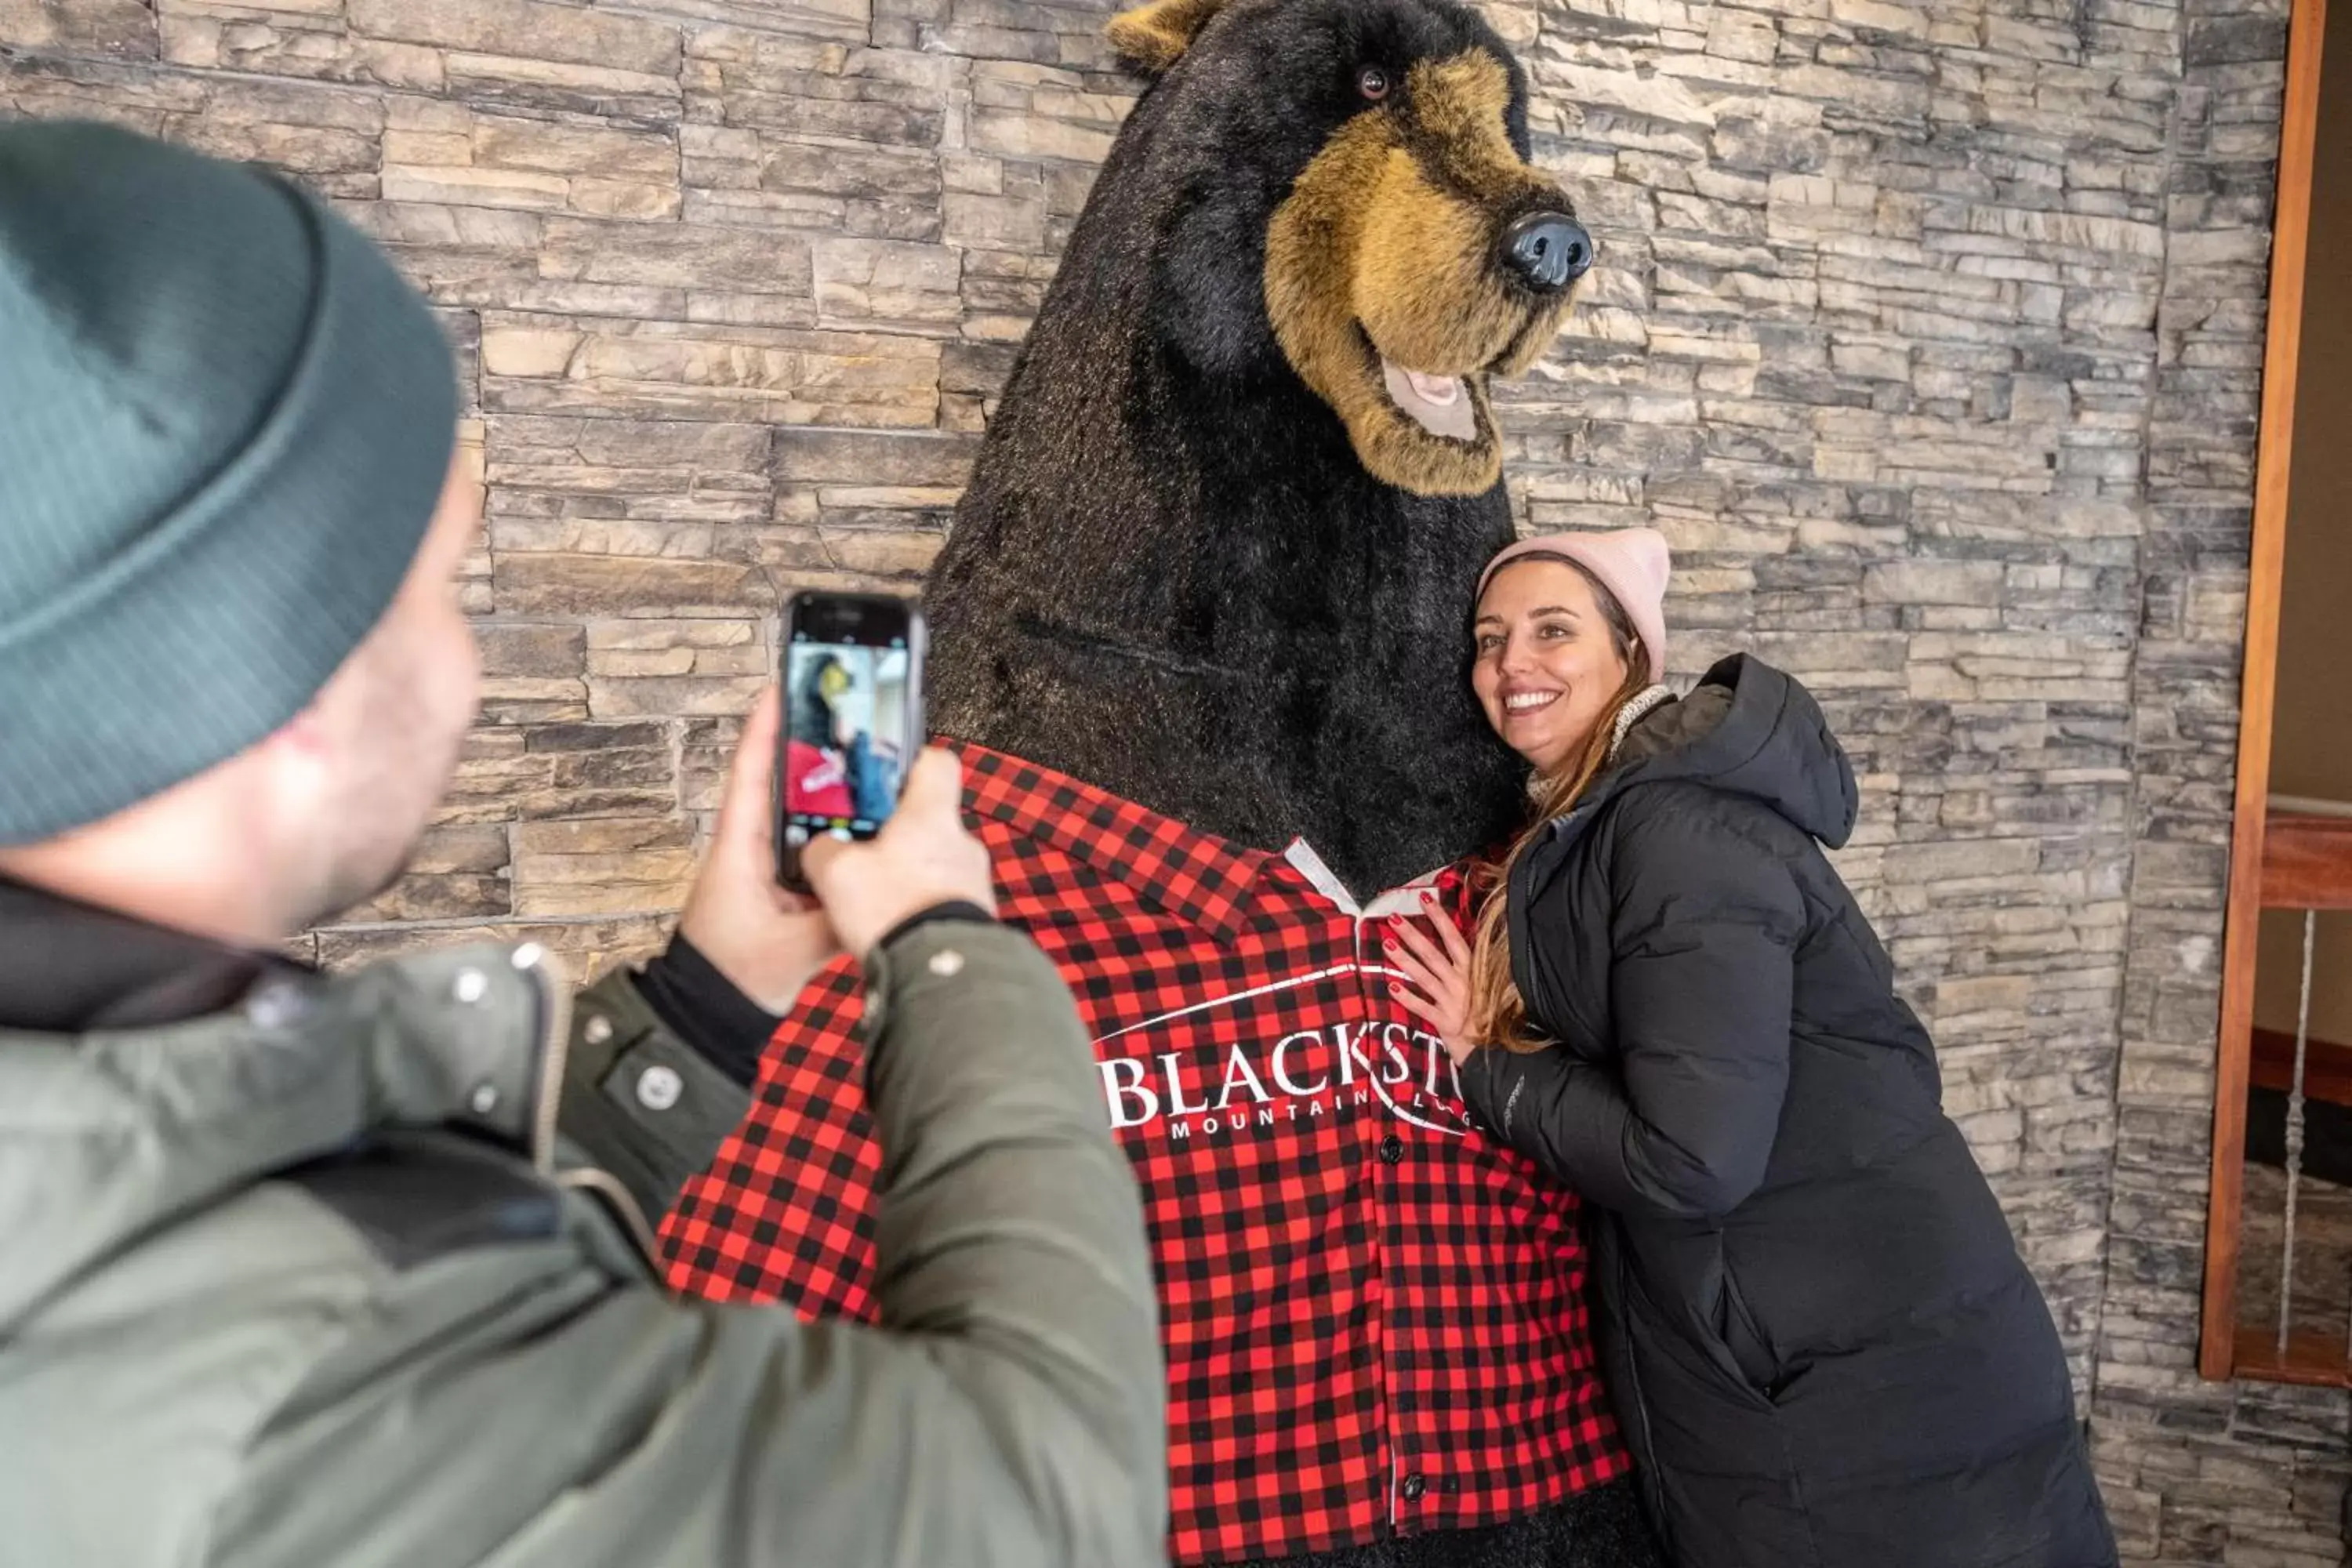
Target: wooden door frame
{"x": 2273, "y": 455}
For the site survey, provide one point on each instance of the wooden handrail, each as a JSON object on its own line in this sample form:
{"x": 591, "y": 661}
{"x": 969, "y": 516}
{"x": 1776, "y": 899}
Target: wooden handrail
{"x": 2306, "y": 862}
{"x": 2317, "y": 1360}
{"x": 2326, "y": 1066}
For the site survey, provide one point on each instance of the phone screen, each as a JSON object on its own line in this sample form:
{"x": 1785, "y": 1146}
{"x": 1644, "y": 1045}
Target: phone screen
{"x": 850, "y": 734}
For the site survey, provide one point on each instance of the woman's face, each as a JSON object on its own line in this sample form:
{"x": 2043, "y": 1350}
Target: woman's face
{"x": 1545, "y": 665}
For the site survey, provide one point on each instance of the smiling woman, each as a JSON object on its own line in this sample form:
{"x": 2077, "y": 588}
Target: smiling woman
{"x": 1820, "y": 1337}
{"x": 1554, "y": 648}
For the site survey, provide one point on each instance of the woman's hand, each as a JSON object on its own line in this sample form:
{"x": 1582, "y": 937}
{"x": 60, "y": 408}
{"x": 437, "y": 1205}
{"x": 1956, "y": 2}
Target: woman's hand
{"x": 1438, "y": 968}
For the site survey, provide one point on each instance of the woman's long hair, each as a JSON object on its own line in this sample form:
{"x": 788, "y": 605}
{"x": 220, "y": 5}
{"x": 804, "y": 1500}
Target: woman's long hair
{"x": 811, "y": 710}
{"x": 1498, "y": 1014}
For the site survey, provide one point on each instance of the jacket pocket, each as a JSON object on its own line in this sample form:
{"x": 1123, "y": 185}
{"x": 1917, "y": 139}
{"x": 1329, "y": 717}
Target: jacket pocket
{"x": 1752, "y": 1349}
{"x": 1687, "y": 1295}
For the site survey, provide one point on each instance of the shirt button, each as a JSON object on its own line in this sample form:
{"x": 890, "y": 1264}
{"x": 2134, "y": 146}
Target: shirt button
{"x": 1391, "y": 1150}
{"x": 1413, "y": 1487}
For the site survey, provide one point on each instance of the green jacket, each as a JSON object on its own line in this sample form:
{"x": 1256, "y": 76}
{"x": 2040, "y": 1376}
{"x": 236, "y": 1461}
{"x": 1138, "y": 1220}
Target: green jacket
{"x": 354, "y": 1272}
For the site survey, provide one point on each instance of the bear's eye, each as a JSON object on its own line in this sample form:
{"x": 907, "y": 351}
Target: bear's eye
{"x": 1373, "y": 83}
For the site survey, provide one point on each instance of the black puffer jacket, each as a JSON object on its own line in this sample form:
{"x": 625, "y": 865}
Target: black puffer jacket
{"x": 1821, "y": 1338}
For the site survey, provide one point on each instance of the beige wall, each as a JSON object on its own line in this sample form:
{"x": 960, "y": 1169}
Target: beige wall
{"x": 2311, "y": 751}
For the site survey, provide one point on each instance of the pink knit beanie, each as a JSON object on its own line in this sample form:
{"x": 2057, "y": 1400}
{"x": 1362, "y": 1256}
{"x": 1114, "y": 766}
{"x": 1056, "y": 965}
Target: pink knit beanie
{"x": 1632, "y": 564}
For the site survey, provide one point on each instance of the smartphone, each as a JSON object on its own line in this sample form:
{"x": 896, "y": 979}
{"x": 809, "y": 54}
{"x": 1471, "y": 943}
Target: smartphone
{"x": 853, "y": 682}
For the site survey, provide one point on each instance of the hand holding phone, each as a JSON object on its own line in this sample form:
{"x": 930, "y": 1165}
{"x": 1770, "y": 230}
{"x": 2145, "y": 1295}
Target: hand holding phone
{"x": 924, "y": 857}
{"x": 853, "y": 720}
{"x": 769, "y": 942}
{"x": 766, "y": 940}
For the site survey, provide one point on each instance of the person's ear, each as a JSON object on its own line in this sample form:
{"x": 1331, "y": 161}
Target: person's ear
{"x": 289, "y": 774}
{"x": 307, "y": 735}
{"x": 1152, "y": 38}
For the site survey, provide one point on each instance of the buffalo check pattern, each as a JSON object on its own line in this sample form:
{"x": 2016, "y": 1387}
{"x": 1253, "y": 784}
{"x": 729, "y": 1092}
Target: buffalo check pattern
{"x": 1374, "y": 1318}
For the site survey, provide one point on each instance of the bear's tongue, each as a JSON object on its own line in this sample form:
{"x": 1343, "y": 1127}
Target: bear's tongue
{"x": 1438, "y": 403}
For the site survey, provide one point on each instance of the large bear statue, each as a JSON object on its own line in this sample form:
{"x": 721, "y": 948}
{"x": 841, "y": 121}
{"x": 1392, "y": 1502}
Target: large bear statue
{"x": 1200, "y": 635}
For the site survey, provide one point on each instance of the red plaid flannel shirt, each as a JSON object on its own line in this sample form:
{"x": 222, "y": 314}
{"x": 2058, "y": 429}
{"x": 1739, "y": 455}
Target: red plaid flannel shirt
{"x": 1374, "y": 1318}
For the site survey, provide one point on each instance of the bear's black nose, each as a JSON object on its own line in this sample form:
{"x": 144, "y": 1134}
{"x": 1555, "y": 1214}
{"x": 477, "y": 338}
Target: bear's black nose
{"x": 1547, "y": 250}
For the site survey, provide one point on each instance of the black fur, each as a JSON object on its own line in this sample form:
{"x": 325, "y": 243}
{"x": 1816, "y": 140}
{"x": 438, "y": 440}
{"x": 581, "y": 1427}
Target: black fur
{"x": 1171, "y": 576}
{"x": 1604, "y": 1527}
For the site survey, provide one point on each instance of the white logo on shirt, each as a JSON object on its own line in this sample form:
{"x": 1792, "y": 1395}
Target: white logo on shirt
{"x": 1309, "y": 1073}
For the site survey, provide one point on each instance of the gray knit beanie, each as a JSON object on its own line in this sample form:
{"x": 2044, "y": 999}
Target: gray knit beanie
{"x": 224, "y": 422}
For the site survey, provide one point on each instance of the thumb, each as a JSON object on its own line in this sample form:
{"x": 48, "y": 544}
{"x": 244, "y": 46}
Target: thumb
{"x": 744, "y": 810}
{"x": 934, "y": 785}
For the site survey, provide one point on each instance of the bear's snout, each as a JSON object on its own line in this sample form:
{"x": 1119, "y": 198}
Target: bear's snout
{"x": 1546, "y": 251}
{"x": 1417, "y": 256}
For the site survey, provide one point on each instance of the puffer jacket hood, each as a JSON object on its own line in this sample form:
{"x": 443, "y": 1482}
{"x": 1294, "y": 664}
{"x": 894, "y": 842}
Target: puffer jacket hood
{"x": 1748, "y": 730}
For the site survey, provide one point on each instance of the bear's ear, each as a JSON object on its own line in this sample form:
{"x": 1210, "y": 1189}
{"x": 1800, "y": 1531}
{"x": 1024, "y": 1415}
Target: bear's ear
{"x": 1151, "y": 38}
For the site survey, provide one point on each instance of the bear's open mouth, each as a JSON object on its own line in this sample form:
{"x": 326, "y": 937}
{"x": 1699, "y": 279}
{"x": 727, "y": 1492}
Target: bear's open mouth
{"x": 1438, "y": 403}
{"x": 1387, "y": 285}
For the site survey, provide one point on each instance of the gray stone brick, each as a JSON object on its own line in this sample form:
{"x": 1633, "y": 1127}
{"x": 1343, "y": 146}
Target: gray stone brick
{"x": 1931, "y": 336}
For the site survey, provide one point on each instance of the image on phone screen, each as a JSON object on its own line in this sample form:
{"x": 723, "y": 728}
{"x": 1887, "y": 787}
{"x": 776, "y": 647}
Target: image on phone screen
{"x": 847, "y": 742}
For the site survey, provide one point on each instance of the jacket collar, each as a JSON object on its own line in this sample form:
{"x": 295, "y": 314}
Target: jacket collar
{"x": 1202, "y": 880}
{"x": 130, "y": 1116}
{"x": 67, "y": 967}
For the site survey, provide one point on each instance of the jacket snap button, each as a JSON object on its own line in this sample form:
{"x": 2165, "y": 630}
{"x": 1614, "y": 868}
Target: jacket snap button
{"x": 485, "y": 1098}
{"x": 597, "y": 1029}
{"x": 658, "y": 1088}
{"x": 275, "y": 1004}
{"x": 947, "y": 962}
{"x": 1392, "y": 1152}
{"x": 1413, "y": 1487}
{"x": 472, "y": 985}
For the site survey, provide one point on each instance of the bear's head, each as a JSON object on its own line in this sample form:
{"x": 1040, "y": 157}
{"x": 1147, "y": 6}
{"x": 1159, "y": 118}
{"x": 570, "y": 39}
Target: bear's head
{"x": 1218, "y": 552}
{"x": 1357, "y": 198}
